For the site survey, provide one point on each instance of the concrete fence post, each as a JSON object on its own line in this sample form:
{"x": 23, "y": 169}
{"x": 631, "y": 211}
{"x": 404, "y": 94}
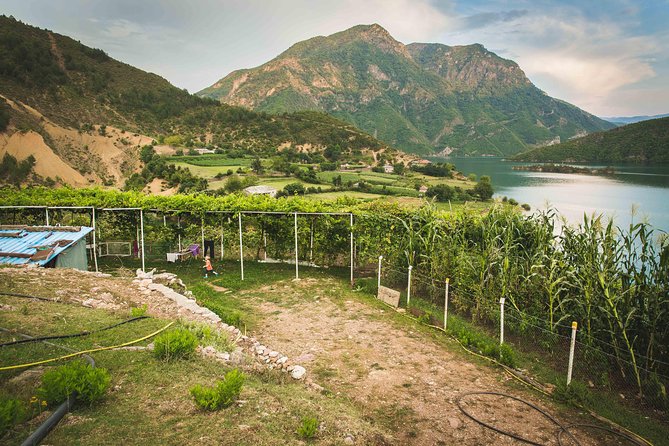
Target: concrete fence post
{"x": 572, "y": 346}
{"x": 501, "y": 320}
{"x": 378, "y": 279}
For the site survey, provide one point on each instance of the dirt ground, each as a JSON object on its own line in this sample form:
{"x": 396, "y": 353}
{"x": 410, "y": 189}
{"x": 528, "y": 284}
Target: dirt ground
{"x": 405, "y": 376}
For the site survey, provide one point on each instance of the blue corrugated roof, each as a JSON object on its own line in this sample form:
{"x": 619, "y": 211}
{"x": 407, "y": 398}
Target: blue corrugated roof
{"x": 30, "y": 238}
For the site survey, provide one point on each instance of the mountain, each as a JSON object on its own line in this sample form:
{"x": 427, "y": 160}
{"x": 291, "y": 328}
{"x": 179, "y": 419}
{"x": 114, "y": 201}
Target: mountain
{"x": 646, "y": 141}
{"x": 85, "y": 116}
{"x": 421, "y": 97}
{"x": 623, "y": 120}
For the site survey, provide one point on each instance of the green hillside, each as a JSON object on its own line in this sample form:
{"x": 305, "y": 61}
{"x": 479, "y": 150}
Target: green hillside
{"x": 49, "y": 78}
{"x": 646, "y": 141}
{"x": 420, "y": 97}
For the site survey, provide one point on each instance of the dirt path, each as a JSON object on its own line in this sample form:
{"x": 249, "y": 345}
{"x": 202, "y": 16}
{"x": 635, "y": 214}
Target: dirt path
{"x": 398, "y": 375}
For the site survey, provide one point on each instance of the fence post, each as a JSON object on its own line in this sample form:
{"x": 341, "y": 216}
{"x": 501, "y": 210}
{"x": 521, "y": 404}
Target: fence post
{"x": 141, "y": 223}
{"x": 409, "y": 287}
{"x": 378, "y": 280}
{"x": 446, "y": 305}
{"x": 95, "y": 241}
{"x": 351, "y": 229}
{"x": 297, "y": 271}
{"x": 574, "y": 326}
{"x": 47, "y": 215}
{"x": 501, "y": 320}
{"x": 241, "y": 246}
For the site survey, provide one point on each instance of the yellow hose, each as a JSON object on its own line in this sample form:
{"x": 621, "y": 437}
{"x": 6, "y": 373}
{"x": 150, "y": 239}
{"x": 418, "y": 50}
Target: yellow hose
{"x": 20, "y": 366}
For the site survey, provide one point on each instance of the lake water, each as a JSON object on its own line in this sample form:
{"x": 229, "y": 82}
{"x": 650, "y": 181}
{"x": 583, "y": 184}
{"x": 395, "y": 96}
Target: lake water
{"x": 644, "y": 187}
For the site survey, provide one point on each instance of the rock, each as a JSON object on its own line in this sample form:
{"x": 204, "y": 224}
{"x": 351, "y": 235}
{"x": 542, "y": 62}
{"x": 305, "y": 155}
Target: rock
{"x": 150, "y": 346}
{"x": 454, "y": 423}
{"x": 273, "y": 354}
{"x": 223, "y": 356}
{"x": 282, "y": 359}
{"x": 142, "y": 275}
{"x": 290, "y": 368}
{"x": 209, "y": 351}
{"x": 145, "y": 282}
{"x": 349, "y": 439}
{"x": 298, "y": 372}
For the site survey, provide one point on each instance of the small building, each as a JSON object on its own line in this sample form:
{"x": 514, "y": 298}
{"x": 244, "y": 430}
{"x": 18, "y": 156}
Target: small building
{"x": 204, "y": 151}
{"x": 388, "y": 168}
{"x": 420, "y": 162}
{"x": 261, "y": 190}
{"x": 422, "y": 190}
{"x": 48, "y": 246}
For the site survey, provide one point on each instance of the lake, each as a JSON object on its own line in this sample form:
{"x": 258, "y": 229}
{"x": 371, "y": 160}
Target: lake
{"x": 641, "y": 186}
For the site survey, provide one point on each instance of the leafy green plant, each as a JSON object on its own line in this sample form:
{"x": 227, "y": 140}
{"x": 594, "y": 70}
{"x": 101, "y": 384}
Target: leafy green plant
{"x": 209, "y": 336}
{"x": 138, "y": 311}
{"x": 575, "y": 394}
{"x": 222, "y": 395}
{"x": 12, "y": 411}
{"x": 88, "y": 384}
{"x": 308, "y": 428}
{"x": 175, "y": 344}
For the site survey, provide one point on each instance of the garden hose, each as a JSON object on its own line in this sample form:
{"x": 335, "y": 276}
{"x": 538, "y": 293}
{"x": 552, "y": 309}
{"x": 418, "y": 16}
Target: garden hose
{"x": 621, "y": 431}
{"x": 45, "y": 361}
{"x": 28, "y": 296}
{"x": 562, "y": 429}
{"x": 74, "y": 335}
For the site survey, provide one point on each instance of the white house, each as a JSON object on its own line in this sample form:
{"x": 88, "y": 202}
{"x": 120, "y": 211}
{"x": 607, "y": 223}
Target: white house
{"x": 261, "y": 190}
{"x": 388, "y": 168}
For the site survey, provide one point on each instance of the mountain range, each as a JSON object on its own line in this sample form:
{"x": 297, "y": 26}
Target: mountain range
{"x": 424, "y": 98}
{"x": 623, "y": 120}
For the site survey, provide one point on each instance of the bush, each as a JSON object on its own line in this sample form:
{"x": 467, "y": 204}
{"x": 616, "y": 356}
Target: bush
{"x": 138, "y": 311}
{"x": 175, "y": 344}
{"x": 222, "y": 395}
{"x": 87, "y": 383}
{"x": 11, "y": 413}
{"x": 575, "y": 394}
{"x": 308, "y": 428}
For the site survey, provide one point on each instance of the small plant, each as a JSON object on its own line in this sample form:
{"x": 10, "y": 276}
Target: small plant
{"x": 208, "y": 336}
{"x": 12, "y": 412}
{"x": 138, "y": 311}
{"x": 222, "y": 395}
{"x": 575, "y": 394}
{"x": 175, "y": 344}
{"x": 88, "y": 384}
{"x": 308, "y": 428}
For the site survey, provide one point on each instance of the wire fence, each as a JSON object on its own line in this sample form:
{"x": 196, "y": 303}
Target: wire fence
{"x": 601, "y": 372}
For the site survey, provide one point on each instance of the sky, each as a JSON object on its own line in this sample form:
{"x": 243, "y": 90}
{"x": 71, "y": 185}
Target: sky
{"x": 609, "y": 57}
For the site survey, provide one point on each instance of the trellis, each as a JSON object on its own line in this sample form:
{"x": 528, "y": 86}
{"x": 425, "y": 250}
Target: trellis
{"x": 239, "y": 214}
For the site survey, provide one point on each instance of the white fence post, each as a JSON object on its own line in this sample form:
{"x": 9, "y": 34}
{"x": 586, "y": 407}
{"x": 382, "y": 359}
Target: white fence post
{"x": 409, "y": 287}
{"x": 47, "y": 215}
{"x": 574, "y": 326}
{"x": 241, "y": 246}
{"x": 446, "y": 305}
{"x": 378, "y": 280}
{"x": 95, "y": 242}
{"x": 141, "y": 225}
{"x": 351, "y": 229}
{"x": 297, "y": 270}
{"x": 501, "y": 320}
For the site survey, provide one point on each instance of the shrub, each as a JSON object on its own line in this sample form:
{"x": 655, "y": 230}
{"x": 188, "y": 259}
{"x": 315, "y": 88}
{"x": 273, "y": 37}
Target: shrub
{"x": 308, "y": 428}
{"x": 575, "y": 394}
{"x": 208, "y": 336}
{"x": 11, "y": 413}
{"x": 175, "y": 344}
{"x": 222, "y": 395}
{"x": 87, "y": 383}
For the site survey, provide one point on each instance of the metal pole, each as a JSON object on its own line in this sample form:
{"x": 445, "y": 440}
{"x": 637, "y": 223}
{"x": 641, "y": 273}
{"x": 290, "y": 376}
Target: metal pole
{"x": 574, "y": 326}
{"x": 47, "y": 216}
{"x": 202, "y": 233}
{"x": 241, "y": 246}
{"x": 311, "y": 242}
{"x": 351, "y": 225}
{"x": 222, "y": 220}
{"x": 446, "y": 305}
{"x": 409, "y": 287}
{"x": 297, "y": 271}
{"x": 141, "y": 225}
{"x": 378, "y": 279}
{"x": 264, "y": 241}
{"x": 501, "y": 320}
{"x": 95, "y": 244}
{"x": 179, "y": 229}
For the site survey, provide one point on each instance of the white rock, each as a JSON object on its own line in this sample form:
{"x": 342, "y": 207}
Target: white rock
{"x": 298, "y": 372}
{"x": 282, "y": 359}
{"x": 273, "y": 354}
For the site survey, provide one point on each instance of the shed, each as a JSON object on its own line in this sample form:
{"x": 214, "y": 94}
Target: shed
{"x": 261, "y": 190}
{"x": 49, "y": 246}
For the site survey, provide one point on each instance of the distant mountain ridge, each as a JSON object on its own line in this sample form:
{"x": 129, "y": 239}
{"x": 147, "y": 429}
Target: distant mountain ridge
{"x": 623, "y": 120}
{"x": 645, "y": 141}
{"x": 421, "y": 97}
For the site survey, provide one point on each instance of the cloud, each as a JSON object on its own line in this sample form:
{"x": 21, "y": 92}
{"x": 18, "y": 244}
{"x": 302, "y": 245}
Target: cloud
{"x": 484, "y": 19}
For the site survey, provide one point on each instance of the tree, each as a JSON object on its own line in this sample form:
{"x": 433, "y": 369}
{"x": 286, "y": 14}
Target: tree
{"x": 483, "y": 188}
{"x": 398, "y": 168}
{"x": 233, "y": 184}
{"x": 256, "y": 165}
{"x": 441, "y": 192}
{"x": 294, "y": 189}
{"x": 146, "y": 154}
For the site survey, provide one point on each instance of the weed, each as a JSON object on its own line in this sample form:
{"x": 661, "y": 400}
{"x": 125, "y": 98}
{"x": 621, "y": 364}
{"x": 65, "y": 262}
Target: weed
{"x": 87, "y": 383}
{"x": 24, "y": 310}
{"x": 12, "y": 412}
{"x": 308, "y": 428}
{"x": 175, "y": 344}
{"x": 575, "y": 394}
{"x": 222, "y": 395}
{"x": 138, "y": 311}
{"x": 208, "y": 336}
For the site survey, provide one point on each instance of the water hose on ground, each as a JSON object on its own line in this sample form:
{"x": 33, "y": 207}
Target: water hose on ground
{"x": 74, "y": 335}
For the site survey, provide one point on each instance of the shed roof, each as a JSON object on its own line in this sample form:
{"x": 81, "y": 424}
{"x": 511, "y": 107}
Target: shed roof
{"x": 253, "y": 190}
{"x": 19, "y": 244}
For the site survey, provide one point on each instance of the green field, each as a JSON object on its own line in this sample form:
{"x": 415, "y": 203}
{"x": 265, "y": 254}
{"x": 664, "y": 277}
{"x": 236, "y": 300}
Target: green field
{"x": 211, "y": 160}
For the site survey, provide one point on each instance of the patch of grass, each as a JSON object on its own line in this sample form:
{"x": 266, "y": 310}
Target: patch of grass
{"x": 78, "y": 379}
{"x": 175, "y": 344}
{"x": 222, "y": 395}
{"x": 308, "y": 428}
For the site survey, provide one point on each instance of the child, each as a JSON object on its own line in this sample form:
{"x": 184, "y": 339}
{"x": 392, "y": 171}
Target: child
{"x": 208, "y": 268}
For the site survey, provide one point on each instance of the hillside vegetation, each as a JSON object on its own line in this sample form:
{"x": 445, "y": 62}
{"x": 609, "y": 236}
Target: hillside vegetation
{"x": 84, "y": 116}
{"x": 646, "y": 141}
{"x": 421, "y": 98}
